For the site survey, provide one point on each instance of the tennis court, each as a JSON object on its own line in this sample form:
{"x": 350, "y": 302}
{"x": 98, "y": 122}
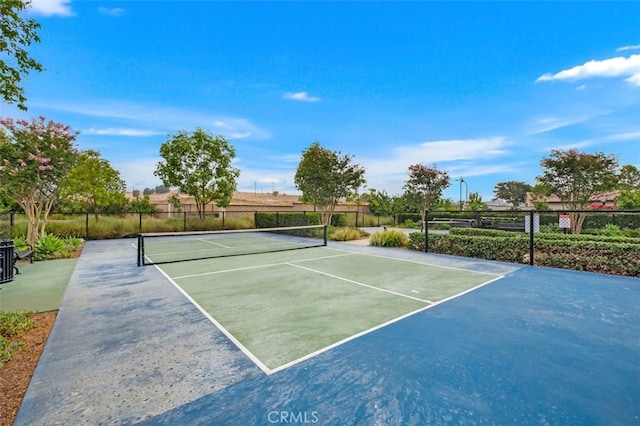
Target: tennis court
{"x": 337, "y": 334}
{"x": 280, "y": 308}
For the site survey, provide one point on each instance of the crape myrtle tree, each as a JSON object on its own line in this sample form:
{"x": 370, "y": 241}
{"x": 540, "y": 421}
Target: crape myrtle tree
{"x": 324, "y": 177}
{"x": 93, "y": 184}
{"x": 199, "y": 164}
{"x": 16, "y": 35}
{"x": 425, "y": 186}
{"x": 577, "y": 177}
{"x": 35, "y": 158}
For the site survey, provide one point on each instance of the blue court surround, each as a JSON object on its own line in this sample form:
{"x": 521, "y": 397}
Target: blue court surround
{"x": 540, "y": 346}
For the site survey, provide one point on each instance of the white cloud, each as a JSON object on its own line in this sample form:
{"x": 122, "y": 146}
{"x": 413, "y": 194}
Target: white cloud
{"x": 51, "y": 7}
{"x": 111, "y": 131}
{"x": 391, "y": 172}
{"x": 547, "y": 124}
{"x": 614, "y": 67}
{"x": 301, "y": 96}
{"x": 116, "y": 11}
{"x": 623, "y": 48}
{"x": 167, "y": 119}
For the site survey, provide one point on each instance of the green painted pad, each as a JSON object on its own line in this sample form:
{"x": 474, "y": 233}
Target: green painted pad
{"x": 39, "y": 287}
{"x": 283, "y": 307}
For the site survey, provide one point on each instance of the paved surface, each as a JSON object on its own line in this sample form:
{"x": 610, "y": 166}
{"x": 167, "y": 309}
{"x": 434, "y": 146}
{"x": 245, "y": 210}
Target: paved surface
{"x": 540, "y": 346}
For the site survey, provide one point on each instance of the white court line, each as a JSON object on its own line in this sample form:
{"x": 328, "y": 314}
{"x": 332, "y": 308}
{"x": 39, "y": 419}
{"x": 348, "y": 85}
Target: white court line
{"x": 244, "y": 268}
{"x": 362, "y": 333}
{"x": 418, "y": 262}
{"x": 358, "y": 283}
{"x": 220, "y": 327}
{"x": 213, "y": 243}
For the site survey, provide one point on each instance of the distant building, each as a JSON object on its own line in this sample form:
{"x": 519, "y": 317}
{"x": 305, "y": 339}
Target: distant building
{"x": 604, "y": 200}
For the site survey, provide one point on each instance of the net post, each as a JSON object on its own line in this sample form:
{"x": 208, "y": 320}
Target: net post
{"x": 139, "y": 250}
{"x": 426, "y": 231}
{"x": 326, "y": 235}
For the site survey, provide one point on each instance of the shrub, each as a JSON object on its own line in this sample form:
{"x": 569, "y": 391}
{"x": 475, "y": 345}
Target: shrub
{"x": 12, "y": 325}
{"x": 389, "y": 238}
{"x": 346, "y": 234}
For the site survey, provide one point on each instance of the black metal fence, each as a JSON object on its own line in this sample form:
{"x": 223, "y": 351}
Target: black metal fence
{"x": 600, "y": 224}
{"x": 123, "y": 225}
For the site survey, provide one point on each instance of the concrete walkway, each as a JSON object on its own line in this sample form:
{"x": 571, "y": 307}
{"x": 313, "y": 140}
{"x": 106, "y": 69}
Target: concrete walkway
{"x": 113, "y": 358}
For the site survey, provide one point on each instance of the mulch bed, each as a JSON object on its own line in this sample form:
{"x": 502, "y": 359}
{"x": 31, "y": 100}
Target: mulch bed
{"x": 16, "y": 374}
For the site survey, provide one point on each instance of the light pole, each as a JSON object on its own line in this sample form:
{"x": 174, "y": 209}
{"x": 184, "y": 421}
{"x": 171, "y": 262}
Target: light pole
{"x": 466, "y": 188}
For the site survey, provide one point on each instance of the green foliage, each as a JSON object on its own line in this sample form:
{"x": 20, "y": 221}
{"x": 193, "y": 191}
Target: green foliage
{"x": 476, "y": 203}
{"x": 389, "y": 238}
{"x": 12, "y": 325}
{"x": 412, "y": 224}
{"x": 274, "y": 220}
{"x": 48, "y": 247}
{"x": 629, "y": 178}
{"x": 345, "y": 234}
{"x": 379, "y": 202}
{"x": 339, "y": 219}
{"x": 576, "y": 177}
{"x": 16, "y": 35}
{"x": 514, "y": 192}
{"x": 143, "y": 205}
{"x": 199, "y": 164}
{"x": 604, "y": 254}
{"x": 94, "y": 185}
{"x": 324, "y": 177}
{"x": 629, "y": 199}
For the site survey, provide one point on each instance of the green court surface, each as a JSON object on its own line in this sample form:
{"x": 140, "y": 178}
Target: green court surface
{"x": 281, "y": 308}
{"x": 39, "y": 287}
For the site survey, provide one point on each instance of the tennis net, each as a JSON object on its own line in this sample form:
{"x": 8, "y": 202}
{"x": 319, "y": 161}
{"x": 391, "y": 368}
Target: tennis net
{"x": 168, "y": 247}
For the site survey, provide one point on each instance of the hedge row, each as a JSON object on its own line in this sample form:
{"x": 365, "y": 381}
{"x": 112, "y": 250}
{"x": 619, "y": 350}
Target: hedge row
{"x": 604, "y": 256}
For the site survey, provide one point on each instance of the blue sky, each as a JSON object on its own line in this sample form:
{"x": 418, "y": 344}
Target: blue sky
{"x": 483, "y": 90}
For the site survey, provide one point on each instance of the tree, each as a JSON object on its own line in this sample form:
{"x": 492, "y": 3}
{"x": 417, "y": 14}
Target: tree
{"x": 36, "y": 158}
{"x": 380, "y": 204}
{"x": 161, "y": 189}
{"x": 325, "y": 176}
{"x": 199, "y": 164}
{"x": 476, "y": 203}
{"x": 148, "y": 191}
{"x": 143, "y": 206}
{"x": 425, "y": 186}
{"x": 629, "y": 200}
{"x": 93, "y": 183}
{"x": 629, "y": 178}
{"x": 135, "y": 193}
{"x": 16, "y": 34}
{"x": 514, "y": 192}
{"x": 576, "y": 178}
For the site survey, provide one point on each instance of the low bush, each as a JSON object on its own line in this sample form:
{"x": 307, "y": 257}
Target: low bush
{"x": 346, "y": 234}
{"x": 389, "y": 238}
{"x": 598, "y": 253}
{"x": 12, "y": 325}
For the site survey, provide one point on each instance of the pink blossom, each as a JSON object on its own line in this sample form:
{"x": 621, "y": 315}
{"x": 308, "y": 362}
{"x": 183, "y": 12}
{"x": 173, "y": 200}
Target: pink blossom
{"x": 32, "y": 157}
{"x": 52, "y": 146}
{"x": 41, "y": 168}
{"x": 2, "y": 168}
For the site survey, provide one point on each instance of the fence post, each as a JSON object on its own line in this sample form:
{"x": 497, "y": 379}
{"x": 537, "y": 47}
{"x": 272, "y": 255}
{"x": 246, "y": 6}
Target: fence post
{"x": 531, "y": 249}
{"x": 426, "y": 231}
{"x": 184, "y": 221}
{"x": 140, "y": 222}
{"x": 223, "y": 213}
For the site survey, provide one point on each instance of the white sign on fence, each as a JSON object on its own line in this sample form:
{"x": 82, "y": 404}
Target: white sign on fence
{"x": 536, "y": 223}
{"x": 564, "y": 221}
